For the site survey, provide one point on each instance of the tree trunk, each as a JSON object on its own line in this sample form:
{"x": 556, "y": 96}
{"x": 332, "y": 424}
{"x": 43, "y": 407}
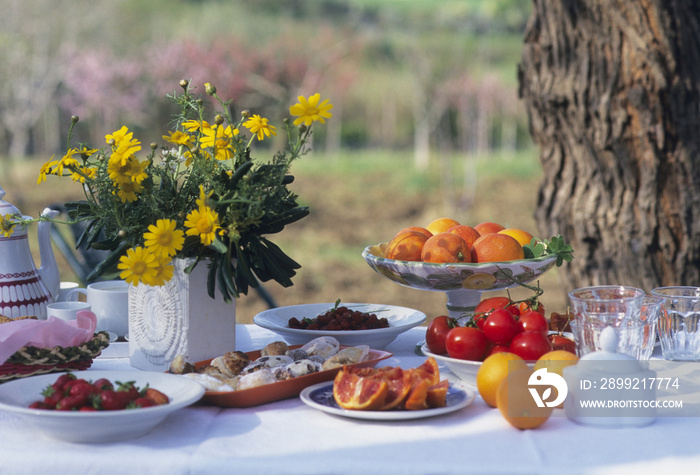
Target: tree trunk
{"x": 612, "y": 90}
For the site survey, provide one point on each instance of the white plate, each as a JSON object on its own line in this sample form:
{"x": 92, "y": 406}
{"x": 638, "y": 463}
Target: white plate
{"x": 400, "y": 320}
{"x": 320, "y": 396}
{"x": 464, "y": 369}
{"x": 98, "y": 426}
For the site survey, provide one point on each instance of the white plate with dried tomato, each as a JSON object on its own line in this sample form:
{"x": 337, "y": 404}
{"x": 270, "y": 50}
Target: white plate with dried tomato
{"x": 98, "y": 426}
{"x": 400, "y": 319}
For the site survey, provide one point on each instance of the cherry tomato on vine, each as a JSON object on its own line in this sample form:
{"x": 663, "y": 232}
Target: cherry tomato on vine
{"x": 527, "y": 305}
{"x": 490, "y": 304}
{"x": 437, "y": 332}
{"x": 466, "y": 343}
{"x": 530, "y": 345}
{"x": 500, "y": 327}
{"x": 533, "y": 321}
{"x": 496, "y": 349}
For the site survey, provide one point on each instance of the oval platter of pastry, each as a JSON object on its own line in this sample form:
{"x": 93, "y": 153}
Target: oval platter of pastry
{"x": 262, "y": 378}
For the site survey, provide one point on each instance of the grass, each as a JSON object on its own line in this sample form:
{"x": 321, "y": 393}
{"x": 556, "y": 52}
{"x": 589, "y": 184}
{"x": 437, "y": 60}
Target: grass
{"x": 358, "y": 199}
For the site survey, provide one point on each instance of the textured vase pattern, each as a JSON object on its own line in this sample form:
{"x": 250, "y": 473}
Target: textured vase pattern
{"x": 178, "y": 318}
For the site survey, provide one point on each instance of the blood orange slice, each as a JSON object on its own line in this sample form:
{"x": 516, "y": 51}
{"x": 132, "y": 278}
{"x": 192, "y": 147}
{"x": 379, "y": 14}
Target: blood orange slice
{"x": 354, "y": 391}
{"x": 437, "y": 394}
{"x": 428, "y": 370}
{"x": 399, "y": 382}
{"x": 416, "y": 399}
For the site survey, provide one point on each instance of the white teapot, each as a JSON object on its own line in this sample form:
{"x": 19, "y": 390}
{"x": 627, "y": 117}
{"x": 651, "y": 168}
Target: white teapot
{"x": 24, "y": 289}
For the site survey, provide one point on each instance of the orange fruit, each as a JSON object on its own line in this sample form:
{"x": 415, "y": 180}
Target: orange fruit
{"x": 428, "y": 370}
{"x": 417, "y": 229}
{"x": 496, "y": 247}
{"x": 555, "y": 361}
{"x": 418, "y": 397}
{"x": 516, "y": 404}
{"x": 523, "y": 237}
{"x": 467, "y": 233}
{"x": 493, "y": 370}
{"x": 488, "y": 227}
{"x": 406, "y": 246}
{"x": 437, "y": 394}
{"x": 441, "y": 225}
{"x": 353, "y": 390}
{"x": 446, "y": 247}
{"x": 399, "y": 382}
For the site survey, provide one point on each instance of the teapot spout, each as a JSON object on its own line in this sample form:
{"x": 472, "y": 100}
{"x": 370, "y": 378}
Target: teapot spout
{"x": 48, "y": 272}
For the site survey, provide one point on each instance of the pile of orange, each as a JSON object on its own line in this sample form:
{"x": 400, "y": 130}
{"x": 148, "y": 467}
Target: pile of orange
{"x": 502, "y": 382}
{"x": 446, "y": 240}
{"x": 381, "y": 389}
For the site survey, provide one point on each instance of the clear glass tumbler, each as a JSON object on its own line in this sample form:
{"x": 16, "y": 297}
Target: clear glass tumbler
{"x": 679, "y": 322}
{"x": 649, "y": 315}
{"x": 601, "y": 306}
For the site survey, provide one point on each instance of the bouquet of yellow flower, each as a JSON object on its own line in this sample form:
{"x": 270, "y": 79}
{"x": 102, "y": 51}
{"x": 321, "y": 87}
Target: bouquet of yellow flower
{"x": 200, "y": 196}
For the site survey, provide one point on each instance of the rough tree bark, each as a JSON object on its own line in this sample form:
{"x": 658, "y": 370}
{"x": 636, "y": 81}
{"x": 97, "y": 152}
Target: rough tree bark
{"x": 612, "y": 90}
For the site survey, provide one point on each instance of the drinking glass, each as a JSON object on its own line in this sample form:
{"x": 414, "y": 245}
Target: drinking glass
{"x": 601, "y": 306}
{"x": 649, "y": 315}
{"x": 678, "y": 323}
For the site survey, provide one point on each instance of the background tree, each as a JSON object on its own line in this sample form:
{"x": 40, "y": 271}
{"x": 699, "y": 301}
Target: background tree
{"x": 612, "y": 90}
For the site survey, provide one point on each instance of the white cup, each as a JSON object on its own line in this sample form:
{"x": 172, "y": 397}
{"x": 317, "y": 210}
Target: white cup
{"x": 65, "y": 310}
{"x": 65, "y": 289}
{"x": 109, "y": 300}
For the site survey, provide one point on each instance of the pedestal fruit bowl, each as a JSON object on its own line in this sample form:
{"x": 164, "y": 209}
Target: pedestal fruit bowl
{"x": 462, "y": 283}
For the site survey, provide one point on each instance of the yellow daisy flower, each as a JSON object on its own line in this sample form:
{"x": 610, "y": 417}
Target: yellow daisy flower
{"x": 128, "y": 192}
{"x": 46, "y": 170}
{"x": 196, "y": 125}
{"x": 86, "y": 152}
{"x": 119, "y": 135}
{"x": 138, "y": 265}
{"x": 83, "y": 173}
{"x": 7, "y": 227}
{"x": 125, "y": 149}
{"x": 259, "y": 125}
{"x": 219, "y": 138}
{"x": 164, "y": 272}
{"x": 179, "y": 138}
{"x": 162, "y": 239}
{"x": 309, "y": 110}
{"x": 203, "y": 222}
{"x": 67, "y": 161}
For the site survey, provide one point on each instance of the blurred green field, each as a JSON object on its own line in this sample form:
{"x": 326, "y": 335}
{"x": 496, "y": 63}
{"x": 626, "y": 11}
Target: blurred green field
{"x": 358, "y": 199}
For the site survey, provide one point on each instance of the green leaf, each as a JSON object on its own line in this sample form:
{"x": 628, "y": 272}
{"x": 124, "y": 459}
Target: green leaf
{"x": 554, "y": 247}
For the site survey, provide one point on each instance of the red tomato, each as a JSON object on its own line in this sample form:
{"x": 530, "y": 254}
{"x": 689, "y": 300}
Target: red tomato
{"x": 480, "y": 319}
{"x": 437, "y": 332}
{"x": 496, "y": 349}
{"x": 466, "y": 343}
{"x": 560, "y": 342}
{"x": 530, "y": 345}
{"x": 527, "y": 305}
{"x": 486, "y": 306}
{"x": 500, "y": 327}
{"x": 533, "y": 321}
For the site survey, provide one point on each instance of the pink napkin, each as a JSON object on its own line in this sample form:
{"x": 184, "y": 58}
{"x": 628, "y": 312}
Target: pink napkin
{"x": 46, "y": 333}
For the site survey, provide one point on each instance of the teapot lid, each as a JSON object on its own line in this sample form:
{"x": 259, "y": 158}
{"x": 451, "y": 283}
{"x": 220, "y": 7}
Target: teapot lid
{"x": 8, "y": 209}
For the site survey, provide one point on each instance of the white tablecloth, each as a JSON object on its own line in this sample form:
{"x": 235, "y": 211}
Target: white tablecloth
{"x": 289, "y": 437}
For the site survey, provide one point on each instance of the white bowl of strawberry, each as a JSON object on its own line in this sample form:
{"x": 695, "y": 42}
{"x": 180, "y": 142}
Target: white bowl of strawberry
{"x": 498, "y": 325}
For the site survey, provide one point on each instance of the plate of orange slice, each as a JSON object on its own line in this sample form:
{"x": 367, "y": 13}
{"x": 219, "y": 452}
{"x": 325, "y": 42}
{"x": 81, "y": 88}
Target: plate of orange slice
{"x": 320, "y": 396}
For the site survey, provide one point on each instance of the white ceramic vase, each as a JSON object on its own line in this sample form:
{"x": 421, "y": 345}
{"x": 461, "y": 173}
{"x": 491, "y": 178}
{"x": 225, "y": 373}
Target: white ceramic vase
{"x": 179, "y": 318}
